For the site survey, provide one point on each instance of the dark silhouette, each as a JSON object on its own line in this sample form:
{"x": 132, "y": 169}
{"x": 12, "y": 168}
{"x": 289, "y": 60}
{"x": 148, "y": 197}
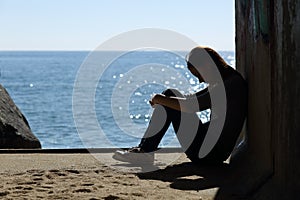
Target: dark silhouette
{"x": 211, "y": 142}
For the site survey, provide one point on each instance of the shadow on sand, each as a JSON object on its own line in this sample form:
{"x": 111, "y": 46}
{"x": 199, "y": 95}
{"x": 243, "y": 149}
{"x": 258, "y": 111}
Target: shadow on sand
{"x": 189, "y": 176}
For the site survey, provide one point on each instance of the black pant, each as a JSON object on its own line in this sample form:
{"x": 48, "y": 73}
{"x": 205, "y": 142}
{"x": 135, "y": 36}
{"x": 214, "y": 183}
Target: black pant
{"x": 188, "y": 128}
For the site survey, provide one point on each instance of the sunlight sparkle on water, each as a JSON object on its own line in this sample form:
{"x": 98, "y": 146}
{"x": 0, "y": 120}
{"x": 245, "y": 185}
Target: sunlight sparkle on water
{"x": 179, "y": 66}
{"x": 192, "y": 81}
{"x": 138, "y": 94}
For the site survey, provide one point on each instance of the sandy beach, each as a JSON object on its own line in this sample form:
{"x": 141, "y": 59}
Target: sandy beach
{"x": 86, "y": 176}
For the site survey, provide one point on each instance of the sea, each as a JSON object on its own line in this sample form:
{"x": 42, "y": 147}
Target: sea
{"x": 79, "y": 99}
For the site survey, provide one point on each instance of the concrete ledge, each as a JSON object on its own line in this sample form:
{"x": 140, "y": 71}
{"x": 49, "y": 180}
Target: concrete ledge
{"x": 80, "y": 150}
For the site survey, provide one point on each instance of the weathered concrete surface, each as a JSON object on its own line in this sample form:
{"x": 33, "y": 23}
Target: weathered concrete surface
{"x": 14, "y": 128}
{"x": 268, "y": 49}
{"x": 286, "y": 98}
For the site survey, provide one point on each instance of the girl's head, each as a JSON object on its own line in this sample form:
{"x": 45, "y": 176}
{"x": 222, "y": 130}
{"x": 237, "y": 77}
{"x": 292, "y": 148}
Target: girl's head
{"x": 206, "y": 62}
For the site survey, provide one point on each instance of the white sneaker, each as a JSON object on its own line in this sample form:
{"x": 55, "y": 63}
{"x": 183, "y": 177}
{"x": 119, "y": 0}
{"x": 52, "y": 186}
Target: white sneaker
{"x": 134, "y": 155}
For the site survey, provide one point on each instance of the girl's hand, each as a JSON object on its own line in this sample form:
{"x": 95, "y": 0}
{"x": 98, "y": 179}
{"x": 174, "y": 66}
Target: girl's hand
{"x": 155, "y": 99}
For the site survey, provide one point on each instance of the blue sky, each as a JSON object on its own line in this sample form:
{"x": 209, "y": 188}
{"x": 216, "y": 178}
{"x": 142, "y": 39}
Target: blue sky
{"x": 83, "y": 25}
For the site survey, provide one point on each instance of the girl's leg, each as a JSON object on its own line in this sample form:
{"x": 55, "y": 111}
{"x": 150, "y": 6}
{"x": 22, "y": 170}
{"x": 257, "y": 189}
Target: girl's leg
{"x": 187, "y": 126}
{"x": 159, "y": 124}
{"x": 190, "y": 133}
{"x": 156, "y": 129}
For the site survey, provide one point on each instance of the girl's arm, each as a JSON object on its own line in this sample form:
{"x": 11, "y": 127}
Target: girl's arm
{"x": 191, "y": 104}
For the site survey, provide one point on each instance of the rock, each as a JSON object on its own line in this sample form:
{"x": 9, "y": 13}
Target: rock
{"x": 15, "y": 132}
